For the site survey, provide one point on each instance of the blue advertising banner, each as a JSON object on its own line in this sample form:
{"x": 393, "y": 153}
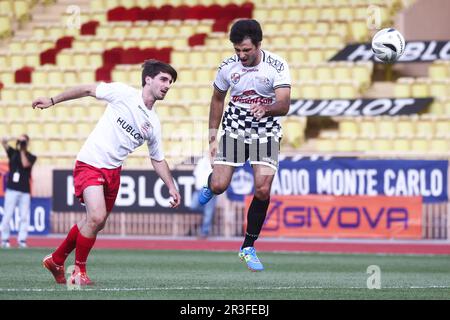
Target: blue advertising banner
{"x": 39, "y": 216}
{"x": 349, "y": 177}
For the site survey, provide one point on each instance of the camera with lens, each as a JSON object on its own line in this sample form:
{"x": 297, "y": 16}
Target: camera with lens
{"x": 22, "y": 143}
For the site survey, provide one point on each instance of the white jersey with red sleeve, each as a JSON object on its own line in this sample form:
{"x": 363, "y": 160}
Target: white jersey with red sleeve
{"x": 125, "y": 125}
{"x": 251, "y": 85}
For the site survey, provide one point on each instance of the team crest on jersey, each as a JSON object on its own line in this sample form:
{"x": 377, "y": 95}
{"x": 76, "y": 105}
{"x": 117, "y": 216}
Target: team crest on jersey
{"x": 263, "y": 80}
{"x": 146, "y": 127}
{"x": 235, "y": 77}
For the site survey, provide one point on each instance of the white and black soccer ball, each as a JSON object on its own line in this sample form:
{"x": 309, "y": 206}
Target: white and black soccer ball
{"x": 388, "y": 45}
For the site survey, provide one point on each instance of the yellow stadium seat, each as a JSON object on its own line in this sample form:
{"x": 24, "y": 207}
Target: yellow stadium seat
{"x": 311, "y": 13}
{"x": 386, "y": 128}
{"x": 70, "y": 77}
{"x": 328, "y": 90}
{"x": 294, "y": 131}
{"x": 297, "y": 56}
{"x": 420, "y": 88}
{"x": 419, "y": 145}
{"x": 179, "y": 111}
{"x": 447, "y": 107}
{"x": 56, "y": 32}
{"x": 401, "y": 145}
{"x": 261, "y": 14}
{"x": 29, "y": 114}
{"x": 325, "y": 145}
{"x": 17, "y": 60}
{"x": 328, "y": 13}
{"x": 345, "y": 145}
{"x": 21, "y": 10}
{"x": 402, "y": 88}
{"x": 405, "y": 128}
{"x": 306, "y": 73}
{"x": 55, "y": 77}
{"x": 86, "y": 76}
{"x": 67, "y": 129}
{"x": 359, "y": 30}
{"x": 80, "y": 59}
{"x": 362, "y": 73}
{"x": 424, "y": 128}
{"x": 8, "y": 94}
{"x": 51, "y": 130}
{"x": 64, "y": 58}
{"x": 55, "y": 147}
{"x": 308, "y": 91}
{"x": 382, "y": 145}
{"x": 439, "y": 146}
{"x": 72, "y": 147}
{"x": 367, "y": 128}
{"x": 438, "y": 70}
{"x": 439, "y": 89}
{"x": 342, "y": 72}
{"x": 315, "y": 55}
{"x": 347, "y": 90}
{"x": 442, "y": 127}
{"x": 349, "y": 128}
{"x": 437, "y": 107}
{"x": 37, "y": 146}
{"x": 7, "y": 77}
{"x": 24, "y": 93}
{"x": 199, "y": 111}
{"x": 83, "y": 129}
{"x": 362, "y": 145}
{"x": 323, "y": 73}
{"x": 34, "y": 130}
{"x": 17, "y": 129}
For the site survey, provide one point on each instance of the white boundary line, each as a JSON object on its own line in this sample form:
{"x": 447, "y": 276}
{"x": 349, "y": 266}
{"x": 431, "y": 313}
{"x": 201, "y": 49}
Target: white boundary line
{"x": 204, "y": 288}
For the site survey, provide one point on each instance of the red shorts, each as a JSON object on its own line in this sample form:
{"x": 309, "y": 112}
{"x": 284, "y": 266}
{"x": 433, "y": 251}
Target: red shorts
{"x": 85, "y": 175}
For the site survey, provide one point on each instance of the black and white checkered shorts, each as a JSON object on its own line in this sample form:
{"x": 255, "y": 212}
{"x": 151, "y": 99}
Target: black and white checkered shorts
{"x": 235, "y": 152}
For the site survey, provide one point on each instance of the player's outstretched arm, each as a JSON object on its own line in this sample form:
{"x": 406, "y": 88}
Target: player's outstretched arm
{"x": 5, "y": 144}
{"x": 163, "y": 171}
{"x": 69, "y": 94}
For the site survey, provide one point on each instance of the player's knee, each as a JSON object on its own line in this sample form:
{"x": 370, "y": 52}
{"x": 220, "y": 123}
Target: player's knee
{"x": 262, "y": 192}
{"x": 217, "y": 187}
{"x": 97, "y": 222}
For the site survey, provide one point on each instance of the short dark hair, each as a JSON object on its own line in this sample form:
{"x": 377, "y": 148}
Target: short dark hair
{"x": 153, "y": 67}
{"x": 246, "y": 28}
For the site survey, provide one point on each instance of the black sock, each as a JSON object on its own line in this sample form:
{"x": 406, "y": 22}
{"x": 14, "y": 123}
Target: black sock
{"x": 255, "y": 220}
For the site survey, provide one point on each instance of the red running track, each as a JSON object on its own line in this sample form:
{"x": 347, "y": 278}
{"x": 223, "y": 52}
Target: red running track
{"x": 353, "y": 246}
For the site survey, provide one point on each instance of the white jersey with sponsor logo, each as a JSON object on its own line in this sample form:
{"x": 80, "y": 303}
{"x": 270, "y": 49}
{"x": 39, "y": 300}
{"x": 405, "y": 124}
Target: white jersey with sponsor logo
{"x": 251, "y": 85}
{"x": 124, "y": 126}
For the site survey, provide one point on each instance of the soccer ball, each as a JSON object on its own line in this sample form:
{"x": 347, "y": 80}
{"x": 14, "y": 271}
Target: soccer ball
{"x": 388, "y": 45}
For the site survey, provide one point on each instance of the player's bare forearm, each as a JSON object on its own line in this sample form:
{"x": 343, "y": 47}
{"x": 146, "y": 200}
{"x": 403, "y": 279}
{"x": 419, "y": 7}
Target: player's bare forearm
{"x": 5, "y": 144}
{"x": 215, "y": 113}
{"x": 163, "y": 171}
{"x": 279, "y": 108}
{"x": 70, "y": 94}
{"x": 75, "y": 93}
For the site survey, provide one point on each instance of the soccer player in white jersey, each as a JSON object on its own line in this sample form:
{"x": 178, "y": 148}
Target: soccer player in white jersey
{"x": 128, "y": 121}
{"x": 260, "y": 88}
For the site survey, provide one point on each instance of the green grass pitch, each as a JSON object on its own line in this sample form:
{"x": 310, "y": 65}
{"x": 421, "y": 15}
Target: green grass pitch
{"x": 202, "y": 275}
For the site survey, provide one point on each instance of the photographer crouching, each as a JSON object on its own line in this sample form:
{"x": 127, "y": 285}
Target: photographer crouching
{"x": 17, "y": 192}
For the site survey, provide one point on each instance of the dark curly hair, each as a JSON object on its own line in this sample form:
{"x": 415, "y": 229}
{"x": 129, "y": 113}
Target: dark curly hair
{"x": 246, "y": 28}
